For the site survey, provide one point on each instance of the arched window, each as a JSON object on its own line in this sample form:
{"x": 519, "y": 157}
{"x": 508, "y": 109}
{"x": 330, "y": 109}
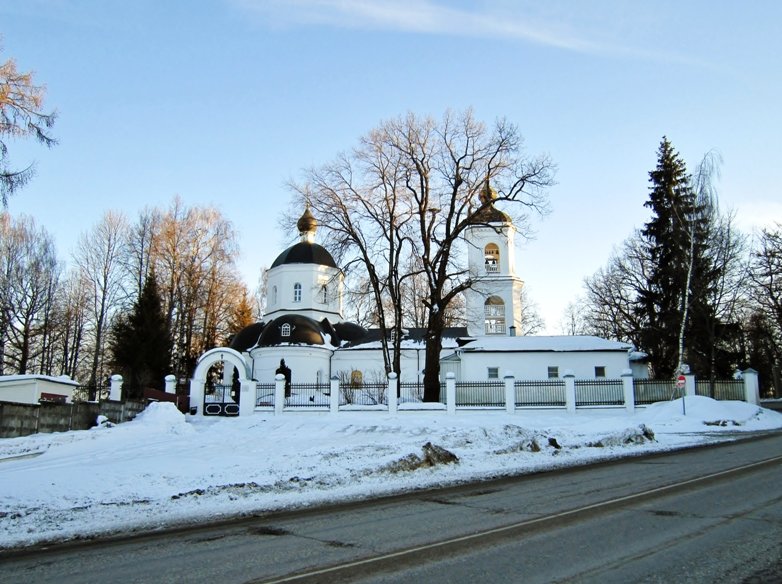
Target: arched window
{"x": 274, "y": 295}
{"x": 297, "y": 292}
{"x": 494, "y": 316}
{"x": 324, "y": 294}
{"x": 491, "y": 254}
{"x": 285, "y": 330}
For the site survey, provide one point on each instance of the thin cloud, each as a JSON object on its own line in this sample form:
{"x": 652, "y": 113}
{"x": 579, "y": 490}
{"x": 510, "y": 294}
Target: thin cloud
{"x": 419, "y": 16}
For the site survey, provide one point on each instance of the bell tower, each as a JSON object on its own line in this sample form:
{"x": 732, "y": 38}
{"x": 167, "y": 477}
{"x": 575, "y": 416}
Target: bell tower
{"x": 493, "y": 304}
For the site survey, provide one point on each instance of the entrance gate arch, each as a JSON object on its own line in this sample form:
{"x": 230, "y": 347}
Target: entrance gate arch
{"x": 225, "y": 405}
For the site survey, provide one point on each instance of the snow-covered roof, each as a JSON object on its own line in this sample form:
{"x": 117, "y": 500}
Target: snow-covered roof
{"x": 534, "y": 343}
{"x": 61, "y": 379}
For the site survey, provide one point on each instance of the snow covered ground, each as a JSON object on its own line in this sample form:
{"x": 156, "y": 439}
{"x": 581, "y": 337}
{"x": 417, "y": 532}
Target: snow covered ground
{"x": 164, "y": 468}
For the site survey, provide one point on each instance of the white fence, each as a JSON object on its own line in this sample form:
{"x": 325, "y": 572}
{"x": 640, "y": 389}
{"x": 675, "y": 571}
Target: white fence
{"x": 508, "y": 394}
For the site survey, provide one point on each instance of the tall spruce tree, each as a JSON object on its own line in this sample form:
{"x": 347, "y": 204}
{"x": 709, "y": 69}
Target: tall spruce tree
{"x": 674, "y": 244}
{"x": 141, "y": 343}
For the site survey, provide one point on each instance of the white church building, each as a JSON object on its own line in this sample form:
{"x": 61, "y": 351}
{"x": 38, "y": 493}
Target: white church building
{"x": 305, "y": 328}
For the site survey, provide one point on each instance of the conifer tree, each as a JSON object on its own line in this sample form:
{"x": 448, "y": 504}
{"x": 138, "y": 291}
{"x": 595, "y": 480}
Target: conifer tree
{"x": 672, "y": 238}
{"x": 141, "y": 343}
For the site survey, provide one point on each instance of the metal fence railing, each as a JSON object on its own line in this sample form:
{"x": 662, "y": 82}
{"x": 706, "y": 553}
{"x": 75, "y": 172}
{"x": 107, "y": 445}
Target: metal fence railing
{"x": 308, "y": 395}
{"x": 723, "y": 389}
{"x": 487, "y": 394}
{"x": 544, "y": 392}
{"x": 364, "y": 394}
{"x": 599, "y": 392}
{"x": 264, "y": 395}
{"x": 649, "y": 391}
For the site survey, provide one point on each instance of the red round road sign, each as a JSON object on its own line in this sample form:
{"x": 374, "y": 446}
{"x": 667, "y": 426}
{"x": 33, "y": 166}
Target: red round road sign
{"x": 680, "y": 381}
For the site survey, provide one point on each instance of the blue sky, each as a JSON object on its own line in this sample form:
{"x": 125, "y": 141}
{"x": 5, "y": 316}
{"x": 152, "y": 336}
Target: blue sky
{"x": 223, "y": 101}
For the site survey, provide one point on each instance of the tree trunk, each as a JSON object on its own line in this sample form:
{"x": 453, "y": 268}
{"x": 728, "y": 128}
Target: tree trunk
{"x": 434, "y": 343}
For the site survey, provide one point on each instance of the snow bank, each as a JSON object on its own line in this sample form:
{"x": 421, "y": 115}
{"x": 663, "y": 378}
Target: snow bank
{"x": 165, "y": 468}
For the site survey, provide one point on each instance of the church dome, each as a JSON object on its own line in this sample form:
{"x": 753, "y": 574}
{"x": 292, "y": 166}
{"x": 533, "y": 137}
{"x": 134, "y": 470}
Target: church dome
{"x": 307, "y": 222}
{"x": 292, "y": 329}
{"x": 305, "y": 252}
{"x": 489, "y": 214}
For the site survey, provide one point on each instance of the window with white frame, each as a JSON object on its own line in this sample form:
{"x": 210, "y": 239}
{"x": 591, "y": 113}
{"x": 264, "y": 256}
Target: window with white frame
{"x": 600, "y": 371}
{"x": 297, "y": 292}
{"x": 553, "y": 372}
{"x": 493, "y": 372}
{"x": 324, "y": 294}
{"x": 285, "y": 330}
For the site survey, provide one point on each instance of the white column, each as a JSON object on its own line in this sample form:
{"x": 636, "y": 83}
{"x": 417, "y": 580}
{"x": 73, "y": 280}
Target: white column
{"x": 334, "y": 397}
{"x": 115, "y": 387}
{"x": 510, "y": 393}
{"x": 279, "y": 393}
{"x": 170, "y": 384}
{"x": 570, "y": 391}
{"x": 450, "y": 392}
{"x": 391, "y": 397}
{"x": 247, "y": 397}
{"x": 197, "y": 395}
{"x": 629, "y": 393}
{"x": 751, "y": 387}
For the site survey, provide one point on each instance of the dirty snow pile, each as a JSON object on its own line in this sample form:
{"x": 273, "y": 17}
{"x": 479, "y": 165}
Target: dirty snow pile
{"x": 164, "y": 468}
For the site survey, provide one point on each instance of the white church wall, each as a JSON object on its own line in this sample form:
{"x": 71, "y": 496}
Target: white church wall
{"x": 312, "y": 278}
{"x": 308, "y": 364}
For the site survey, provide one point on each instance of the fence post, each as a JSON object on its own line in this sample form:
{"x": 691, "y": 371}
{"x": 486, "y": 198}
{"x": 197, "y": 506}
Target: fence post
{"x": 247, "y": 396}
{"x": 196, "y": 395}
{"x": 450, "y": 393}
{"x": 391, "y": 395}
{"x": 751, "y": 386}
{"x": 334, "y": 394}
{"x": 510, "y": 392}
{"x": 170, "y": 384}
{"x": 279, "y": 393}
{"x": 570, "y": 391}
{"x": 115, "y": 391}
{"x": 689, "y": 385}
{"x": 629, "y": 390}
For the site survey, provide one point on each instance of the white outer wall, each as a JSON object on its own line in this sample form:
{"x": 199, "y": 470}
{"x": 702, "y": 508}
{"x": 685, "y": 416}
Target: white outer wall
{"x": 304, "y": 362}
{"x": 311, "y": 277}
{"x": 370, "y": 363}
{"x": 530, "y": 365}
{"x": 28, "y": 391}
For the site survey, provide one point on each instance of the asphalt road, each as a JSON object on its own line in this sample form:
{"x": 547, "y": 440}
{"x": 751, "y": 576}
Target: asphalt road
{"x": 703, "y": 515}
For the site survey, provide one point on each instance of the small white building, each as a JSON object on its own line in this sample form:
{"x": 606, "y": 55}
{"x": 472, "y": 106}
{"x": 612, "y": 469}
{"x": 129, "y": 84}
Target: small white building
{"x": 305, "y": 335}
{"x": 33, "y": 389}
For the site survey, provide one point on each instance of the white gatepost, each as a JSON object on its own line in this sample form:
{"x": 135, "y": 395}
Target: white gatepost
{"x": 279, "y": 393}
{"x": 334, "y": 395}
{"x": 570, "y": 391}
{"x": 197, "y": 395}
{"x": 115, "y": 387}
{"x": 510, "y": 393}
{"x": 450, "y": 393}
{"x": 629, "y": 391}
{"x": 170, "y": 384}
{"x": 247, "y": 397}
{"x": 391, "y": 392}
{"x": 751, "y": 386}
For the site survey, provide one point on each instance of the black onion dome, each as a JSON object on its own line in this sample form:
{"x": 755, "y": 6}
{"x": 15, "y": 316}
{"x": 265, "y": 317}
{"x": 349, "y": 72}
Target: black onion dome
{"x": 302, "y": 331}
{"x": 247, "y": 337}
{"x": 305, "y": 252}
